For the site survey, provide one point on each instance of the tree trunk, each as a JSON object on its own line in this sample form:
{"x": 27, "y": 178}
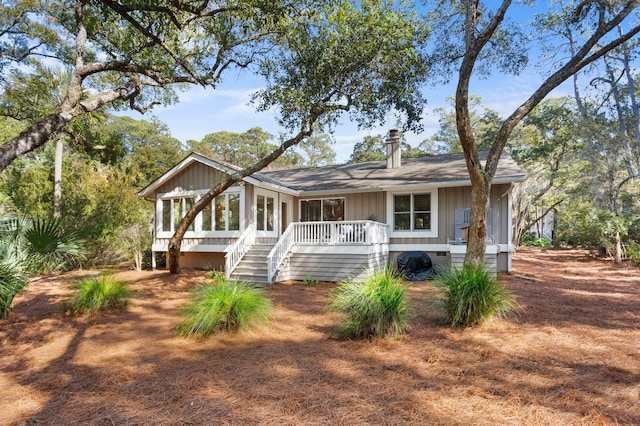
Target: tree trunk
{"x": 57, "y": 177}
{"x": 477, "y": 243}
{"x": 173, "y": 261}
{"x": 618, "y": 258}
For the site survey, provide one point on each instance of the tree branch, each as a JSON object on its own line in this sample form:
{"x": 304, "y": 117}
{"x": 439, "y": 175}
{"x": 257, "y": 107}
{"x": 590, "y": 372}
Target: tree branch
{"x": 575, "y": 64}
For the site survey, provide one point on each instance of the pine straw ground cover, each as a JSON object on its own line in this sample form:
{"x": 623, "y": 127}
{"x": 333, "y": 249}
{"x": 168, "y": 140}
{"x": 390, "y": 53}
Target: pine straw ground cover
{"x": 571, "y": 357}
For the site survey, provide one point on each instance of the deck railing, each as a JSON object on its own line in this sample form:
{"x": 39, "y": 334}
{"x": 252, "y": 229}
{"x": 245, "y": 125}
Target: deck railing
{"x": 354, "y": 232}
{"x": 239, "y": 249}
{"x": 279, "y": 252}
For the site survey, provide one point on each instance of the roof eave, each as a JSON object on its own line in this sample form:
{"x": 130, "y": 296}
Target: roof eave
{"x": 405, "y": 187}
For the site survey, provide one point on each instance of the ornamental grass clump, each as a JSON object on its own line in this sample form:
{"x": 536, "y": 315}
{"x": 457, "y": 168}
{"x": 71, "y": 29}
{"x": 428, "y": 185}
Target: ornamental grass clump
{"x": 377, "y": 306}
{"x": 471, "y": 296}
{"x": 99, "y": 294}
{"x": 224, "y": 306}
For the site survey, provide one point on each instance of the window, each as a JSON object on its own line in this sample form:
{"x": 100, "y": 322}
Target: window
{"x": 326, "y": 209}
{"x": 222, "y": 214}
{"x": 265, "y": 214}
{"x": 206, "y": 218}
{"x": 173, "y": 210}
{"x": 166, "y": 215}
{"x": 227, "y": 209}
{"x": 414, "y": 213}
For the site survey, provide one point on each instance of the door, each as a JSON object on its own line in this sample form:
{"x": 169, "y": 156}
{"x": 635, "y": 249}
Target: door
{"x": 286, "y": 211}
{"x": 266, "y": 215}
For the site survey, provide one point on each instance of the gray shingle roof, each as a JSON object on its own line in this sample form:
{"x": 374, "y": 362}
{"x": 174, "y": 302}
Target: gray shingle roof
{"x": 439, "y": 169}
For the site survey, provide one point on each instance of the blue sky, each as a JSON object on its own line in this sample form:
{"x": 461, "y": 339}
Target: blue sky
{"x": 203, "y": 111}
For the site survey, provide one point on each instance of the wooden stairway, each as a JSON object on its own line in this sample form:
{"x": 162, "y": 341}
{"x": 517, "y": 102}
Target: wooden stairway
{"x": 253, "y": 266}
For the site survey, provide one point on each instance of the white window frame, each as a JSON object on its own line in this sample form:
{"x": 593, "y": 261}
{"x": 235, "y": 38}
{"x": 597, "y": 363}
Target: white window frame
{"x": 431, "y": 233}
{"x": 276, "y": 211}
{"x": 198, "y": 233}
{"x": 321, "y": 199}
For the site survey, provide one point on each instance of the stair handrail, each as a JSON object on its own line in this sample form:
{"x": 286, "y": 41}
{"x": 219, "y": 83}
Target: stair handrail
{"x": 239, "y": 249}
{"x": 279, "y": 251}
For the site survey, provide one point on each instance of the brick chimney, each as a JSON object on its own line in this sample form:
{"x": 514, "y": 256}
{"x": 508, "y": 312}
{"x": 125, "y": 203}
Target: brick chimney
{"x": 393, "y": 149}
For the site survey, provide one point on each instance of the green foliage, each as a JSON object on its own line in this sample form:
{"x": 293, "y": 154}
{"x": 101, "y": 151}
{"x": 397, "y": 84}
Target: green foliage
{"x": 29, "y": 247}
{"x": 484, "y": 121}
{"x": 12, "y": 281}
{"x": 146, "y": 148}
{"x": 374, "y": 148}
{"x": 133, "y": 241}
{"x": 216, "y": 275}
{"x": 40, "y": 245}
{"x": 51, "y": 247}
{"x": 471, "y": 296}
{"x": 360, "y": 57}
{"x": 377, "y": 306}
{"x": 243, "y": 149}
{"x": 633, "y": 252}
{"x": 529, "y": 239}
{"x": 308, "y": 279}
{"x": 587, "y": 226}
{"x": 318, "y": 151}
{"x": 98, "y": 294}
{"x": 99, "y": 201}
{"x": 224, "y": 306}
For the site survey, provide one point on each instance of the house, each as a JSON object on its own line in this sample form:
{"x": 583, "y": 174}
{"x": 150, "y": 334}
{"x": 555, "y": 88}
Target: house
{"x": 330, "y": 222}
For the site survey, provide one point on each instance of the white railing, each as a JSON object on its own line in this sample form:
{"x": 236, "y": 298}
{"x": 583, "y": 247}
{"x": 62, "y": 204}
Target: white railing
{"x": 354, "y": 232}
{"x": 239, "y": 249}
{"x": 341, "y": 232}
{"x": 279, "y": 252}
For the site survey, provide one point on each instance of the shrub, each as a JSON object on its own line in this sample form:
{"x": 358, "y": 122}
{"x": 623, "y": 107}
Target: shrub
{"x": 471, "y": 296}
{"x": 633, "y": 252}
{"x": 99, "y": 294}
{"x": 224, "y": 306}
{"x": 11, "y": 283}
{"x": 376, "y": 307}
{"x": 52, "y": 247}
{"x": 529, "y": 239}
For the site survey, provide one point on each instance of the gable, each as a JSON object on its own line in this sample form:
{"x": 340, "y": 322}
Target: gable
{"x": 193, "y": 177}
{"x": 198, "y": 172}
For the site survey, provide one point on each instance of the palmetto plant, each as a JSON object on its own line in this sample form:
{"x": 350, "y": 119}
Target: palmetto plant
{"x": 50, "y": 246}
{"x": 471, "y": 296}
{"x": 32, "y": 246}
{"x": 224, "y": 306}
{"x": 377, "y": 306}
{"x": 12, "y": 281}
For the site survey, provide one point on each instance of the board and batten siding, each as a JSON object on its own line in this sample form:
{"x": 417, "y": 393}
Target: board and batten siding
{"x": 361, "y": 206}
{"x": 196, "y": 176}
{"x": 450, "y": 199}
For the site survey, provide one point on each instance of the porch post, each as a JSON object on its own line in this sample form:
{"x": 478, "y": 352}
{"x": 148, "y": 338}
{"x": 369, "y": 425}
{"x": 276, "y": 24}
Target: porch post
{"x": 153, "y": 260}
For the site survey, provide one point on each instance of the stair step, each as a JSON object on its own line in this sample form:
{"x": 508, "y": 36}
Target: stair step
{"x": 263, "y": 253}
{"x": 250, "y": 271}
{"x": 255, "y": 257}
{"x": 250, "y": 278}
{"x": 253, "y": 266}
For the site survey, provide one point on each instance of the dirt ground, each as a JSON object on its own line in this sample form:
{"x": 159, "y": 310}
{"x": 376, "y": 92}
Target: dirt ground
{"x": 572, "y": 356}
